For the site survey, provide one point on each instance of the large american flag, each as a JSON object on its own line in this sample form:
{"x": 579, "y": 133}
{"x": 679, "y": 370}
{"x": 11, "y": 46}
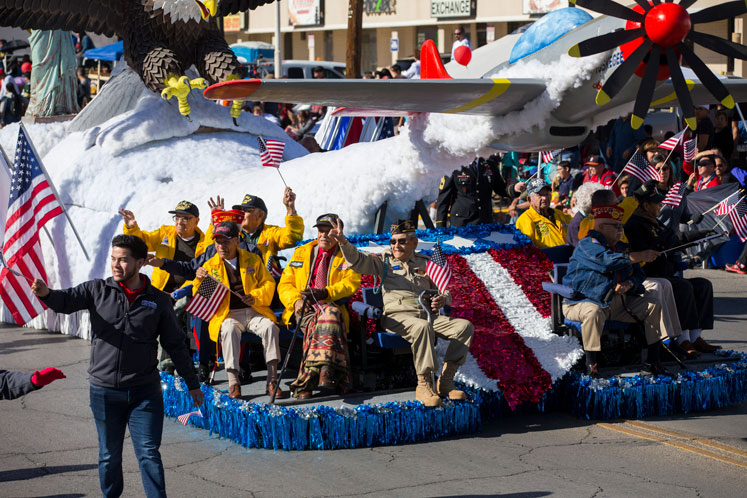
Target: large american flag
{"x": 31, "y": 204}
{"x": 738, "y": 217}
{"x": 438, "y": 269}
{"x": 674, "y": 195}
{"x": 639, "y": 167}
{"x": 672, "y": 142}
{"x": 207, "y": 299}
{"x": 270, "y": 152}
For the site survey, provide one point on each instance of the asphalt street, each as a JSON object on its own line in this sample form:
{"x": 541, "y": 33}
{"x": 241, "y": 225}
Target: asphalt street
{"x": 48, "y": 444}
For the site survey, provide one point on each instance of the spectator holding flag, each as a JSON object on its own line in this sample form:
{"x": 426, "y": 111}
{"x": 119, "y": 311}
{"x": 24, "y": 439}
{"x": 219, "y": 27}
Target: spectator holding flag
{"x": 705, "y": 176}
{"x": 247, "y": 308}
{"x": 673, "y": 210}
{"x": 404, "y": 275}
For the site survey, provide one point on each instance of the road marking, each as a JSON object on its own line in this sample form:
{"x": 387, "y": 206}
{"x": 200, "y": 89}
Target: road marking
{"x": 650, "y": 433}
{"x": 499, "y": 86}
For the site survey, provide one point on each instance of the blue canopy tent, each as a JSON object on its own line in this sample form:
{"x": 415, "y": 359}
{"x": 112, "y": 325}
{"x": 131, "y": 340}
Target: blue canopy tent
{"x": 111, "y": 53}
{"x": 107, "y": 53}
{"x": 252, "y": 51}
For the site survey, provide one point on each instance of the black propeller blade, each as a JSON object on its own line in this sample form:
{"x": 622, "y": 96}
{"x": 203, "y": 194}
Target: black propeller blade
{"x": 646, "y": 6}
{"x": 720, "y": 45}
{"x": 605, "y": 42}
{"x": 622, "y": 74}
{"x": 646, "y": 90}
{"x": 680, "y": 88}
{"x": 610, "y": 8}
{"x": 719, "y": 12}
{"x": 687, "y": 3}
{"x": 709, "y": 80}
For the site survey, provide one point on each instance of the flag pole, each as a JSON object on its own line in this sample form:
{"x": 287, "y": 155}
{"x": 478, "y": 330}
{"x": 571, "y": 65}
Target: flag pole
{"x": 281, "y": 176}
{"x": 718, "y": 223}
{"x": 739, "y": 191}
{"x": 54, "y": 190}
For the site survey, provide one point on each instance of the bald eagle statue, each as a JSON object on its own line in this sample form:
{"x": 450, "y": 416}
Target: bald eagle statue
{"x": 162, "y": 38}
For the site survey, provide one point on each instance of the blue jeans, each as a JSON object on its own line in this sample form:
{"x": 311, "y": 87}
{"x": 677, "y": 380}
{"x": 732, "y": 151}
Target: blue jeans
{"x": 140, "y": 408}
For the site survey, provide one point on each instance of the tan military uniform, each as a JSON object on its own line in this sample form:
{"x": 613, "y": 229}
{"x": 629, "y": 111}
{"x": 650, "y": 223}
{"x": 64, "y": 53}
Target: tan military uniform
{"x": 402, "y": 282}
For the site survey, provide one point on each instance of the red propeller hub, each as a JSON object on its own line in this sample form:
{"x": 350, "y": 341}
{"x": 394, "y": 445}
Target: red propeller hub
{"x": 667, "y": 24}
{"x": 629, "y": 47}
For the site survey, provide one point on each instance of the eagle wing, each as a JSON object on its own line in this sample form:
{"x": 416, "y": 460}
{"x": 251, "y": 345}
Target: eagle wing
{"x": 98, "y": 16}
{"x": 228, "y": 7}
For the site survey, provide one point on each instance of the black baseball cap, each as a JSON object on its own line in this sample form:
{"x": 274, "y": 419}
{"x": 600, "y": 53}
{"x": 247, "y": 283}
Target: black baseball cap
{"x": 226, "y": 229}
{"x": 648, "y": 193}
{"x": 251, "y": 201}
{"x": 186, "y": 207}
{"x": 326, "y": 220}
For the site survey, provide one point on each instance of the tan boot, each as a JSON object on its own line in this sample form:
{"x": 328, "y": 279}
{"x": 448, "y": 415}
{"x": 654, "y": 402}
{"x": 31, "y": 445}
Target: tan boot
{"x": 445, "y": 385}
{"x": 424, "y": 392}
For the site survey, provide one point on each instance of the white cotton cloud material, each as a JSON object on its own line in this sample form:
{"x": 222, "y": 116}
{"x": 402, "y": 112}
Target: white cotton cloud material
{"x": 557, "y": 354}
{"x": 470, "y": 372}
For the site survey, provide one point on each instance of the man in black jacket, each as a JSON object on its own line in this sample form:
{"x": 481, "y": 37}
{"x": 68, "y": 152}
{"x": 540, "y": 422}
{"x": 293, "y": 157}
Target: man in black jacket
{"x": 128, "y": 318}
{"x": 694, "y": 296}
{"x": 466, "y": 196}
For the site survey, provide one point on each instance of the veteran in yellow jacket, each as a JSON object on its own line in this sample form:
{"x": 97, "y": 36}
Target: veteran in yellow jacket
{"x": 180, "y": 242}
{"x": 545, "y": 226}
{"x": 318, "y": 273}
{"x": 246, "y": 307}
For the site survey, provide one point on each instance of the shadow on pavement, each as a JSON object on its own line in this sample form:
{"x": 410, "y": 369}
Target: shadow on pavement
{"x": 729, "y": 305}
{"x": 534, "y": 422}
{"x": 34, "y": 472}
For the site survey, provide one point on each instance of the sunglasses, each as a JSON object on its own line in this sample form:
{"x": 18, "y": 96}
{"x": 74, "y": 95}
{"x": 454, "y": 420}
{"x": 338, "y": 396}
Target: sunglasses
{"x": 400, "y": 242}
{"x": 705, "y": 163}
{"x": 664, "y": 168}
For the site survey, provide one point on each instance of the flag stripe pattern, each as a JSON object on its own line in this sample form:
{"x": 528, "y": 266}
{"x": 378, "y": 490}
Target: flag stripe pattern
{"x": 639, "y": 167}
{"x": 273, "y": 268}
{"x": 547, "y": 156}
{"x": 207, "y": 299}
{"x": 738, "y": 217}
{"x": 689, "y": 150}
{"x": 270, "y": 152}
{"x": 438, "y": 270}
{"x": 725, "y": 206}
{"x": 675, "y": 194}
{"x": 672, "y": 142}
{"x": 31, "y": 205}
{"x": 185, "y": 417}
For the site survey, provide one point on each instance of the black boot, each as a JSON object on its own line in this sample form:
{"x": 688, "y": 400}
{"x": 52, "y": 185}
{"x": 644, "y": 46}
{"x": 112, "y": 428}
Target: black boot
{"x": 592, "y": 364}
{"x": 653, "y": 364}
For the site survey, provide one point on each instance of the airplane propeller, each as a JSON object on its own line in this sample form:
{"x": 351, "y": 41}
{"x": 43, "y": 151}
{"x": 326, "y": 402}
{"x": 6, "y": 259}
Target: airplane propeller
{"x": 662, "y": 29}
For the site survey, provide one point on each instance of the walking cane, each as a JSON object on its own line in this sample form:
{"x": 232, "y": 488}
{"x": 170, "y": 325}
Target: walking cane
{"x": 290, "y": 350}
{"x": 424, "y": 298}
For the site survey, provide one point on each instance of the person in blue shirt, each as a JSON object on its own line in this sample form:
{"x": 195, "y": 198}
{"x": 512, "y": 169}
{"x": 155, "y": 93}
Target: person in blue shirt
{"x": 608, "y": 285}
{"x": 622, "y": 143}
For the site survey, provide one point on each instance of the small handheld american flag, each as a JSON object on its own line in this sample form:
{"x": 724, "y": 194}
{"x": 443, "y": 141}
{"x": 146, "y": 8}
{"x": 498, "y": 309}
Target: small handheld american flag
{"x": 273, "y": 268}
{"x": 206, "y": 301}
{"x": 672, "y": 142}
{"x": 674, "y": 195}
{"x": 725, "y": 206}
{"x": 438, "y": 269}
{"x": 639, "y": 167}
{"x": 185, "y": 417}
{"x": 689, "y": 150}
{"x": 547, "y": 156}
{"x": 738, "y": 218}
{"x": 270, "y": 152}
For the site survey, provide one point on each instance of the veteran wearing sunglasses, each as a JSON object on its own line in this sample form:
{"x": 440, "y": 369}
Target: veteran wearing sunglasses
{"x": 403, "y": 278}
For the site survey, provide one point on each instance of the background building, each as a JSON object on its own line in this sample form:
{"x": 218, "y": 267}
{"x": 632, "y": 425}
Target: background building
{"x": 394, "y": 29}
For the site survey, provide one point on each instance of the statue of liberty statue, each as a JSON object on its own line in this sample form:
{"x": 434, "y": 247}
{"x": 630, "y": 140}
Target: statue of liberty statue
{"x": 53, "y": 77}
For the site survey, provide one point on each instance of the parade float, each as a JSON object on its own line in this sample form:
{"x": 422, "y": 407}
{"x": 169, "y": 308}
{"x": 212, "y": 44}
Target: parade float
{"x": 132, "y": 148}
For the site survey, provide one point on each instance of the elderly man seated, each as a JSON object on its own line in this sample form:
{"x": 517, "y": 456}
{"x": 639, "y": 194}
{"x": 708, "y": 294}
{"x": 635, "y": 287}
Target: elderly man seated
{"x": 608, "y": 284}
{"x": 316, "y": 276}
{"x": 403, "y": 277}
{"x": 545, "y": 226}
{"x": 246, "y": 307}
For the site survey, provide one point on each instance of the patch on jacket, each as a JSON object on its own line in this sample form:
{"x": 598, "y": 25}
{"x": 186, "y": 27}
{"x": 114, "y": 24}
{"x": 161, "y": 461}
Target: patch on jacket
{"x": 595, "y": 241}
{"x": 396, "y": 267}
{"x": 250, "y": 270}
{"x": 215, "y": 274}
{"x": 149, "y": 304}
{"x": 420, "y": 271}
{"x": 542, "y": 229}
{"x": 296, "y": 264}
{"x": 165, "y": 241}
{"x": 343, "y": 266}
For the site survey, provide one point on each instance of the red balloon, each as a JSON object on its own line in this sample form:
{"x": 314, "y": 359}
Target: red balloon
{"x": 463, "y": 55}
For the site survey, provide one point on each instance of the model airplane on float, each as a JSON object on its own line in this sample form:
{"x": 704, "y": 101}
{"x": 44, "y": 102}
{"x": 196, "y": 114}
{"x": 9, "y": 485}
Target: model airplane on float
{"x": 633, "y": 37}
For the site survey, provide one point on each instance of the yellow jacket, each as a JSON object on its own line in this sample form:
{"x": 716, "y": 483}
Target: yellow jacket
{"x": 274, "y": 238}
{"x": 258, "y": 283}
{"x": 629, "y": 205}
{"x": 542, "y": 232}
{"x": 163, "y": 242}
{"x": 343, "y": 282}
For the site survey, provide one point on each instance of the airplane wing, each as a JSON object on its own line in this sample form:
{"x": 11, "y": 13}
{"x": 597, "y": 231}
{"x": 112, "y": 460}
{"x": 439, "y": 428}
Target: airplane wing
{"x": 700, "y": 94}
{"x": 464, "y": 96}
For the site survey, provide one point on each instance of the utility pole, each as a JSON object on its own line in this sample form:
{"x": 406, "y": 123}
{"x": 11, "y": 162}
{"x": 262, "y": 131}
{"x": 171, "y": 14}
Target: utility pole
{"x": 278, "y": 42}
{"x": 355, "y": 36}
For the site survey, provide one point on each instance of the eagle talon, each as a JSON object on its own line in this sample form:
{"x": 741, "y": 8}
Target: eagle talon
{"x": 180, "y": 87}
{"x": 235, "y": 122}
{"x": 236, "y": 111}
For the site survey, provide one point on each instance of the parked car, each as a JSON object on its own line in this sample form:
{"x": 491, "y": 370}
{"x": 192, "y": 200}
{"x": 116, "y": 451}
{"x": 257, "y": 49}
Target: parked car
{"x": 297, "y": 69}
